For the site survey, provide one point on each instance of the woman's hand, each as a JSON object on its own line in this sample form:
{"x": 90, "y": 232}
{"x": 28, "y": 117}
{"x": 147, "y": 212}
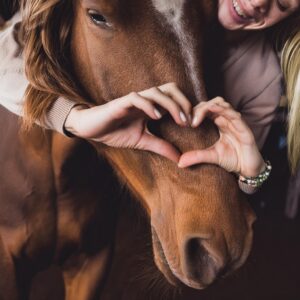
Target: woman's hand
{"x": 122, "y": 123}
{"x": 236, "y": 150}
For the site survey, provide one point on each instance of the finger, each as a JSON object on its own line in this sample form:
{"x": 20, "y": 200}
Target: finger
{"x": 200, "y": 112}
{"x": 173, "y": 91}
{"x": 227, "y": 112}
{"x": 221, "y": 122}
{"x": 234, "y": 118}
{"x": 167, "y": 103}
{"x": 190, "y": 158}
{"x": 220, "y": 101}
{"x": 227, "y": 127}
{"x": 212, "y": 110}
{"x": 139, "y": 102}
{"x": 203, "y": 110}
{"x": 159, "y": 146}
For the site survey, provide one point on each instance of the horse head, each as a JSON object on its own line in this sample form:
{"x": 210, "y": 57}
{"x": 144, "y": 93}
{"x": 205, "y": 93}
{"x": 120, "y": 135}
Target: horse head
{"x": 201, "y": 225}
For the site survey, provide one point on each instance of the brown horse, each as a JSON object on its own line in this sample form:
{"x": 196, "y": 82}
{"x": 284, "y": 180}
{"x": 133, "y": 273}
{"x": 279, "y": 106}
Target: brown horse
{"x": 201, "y": 226}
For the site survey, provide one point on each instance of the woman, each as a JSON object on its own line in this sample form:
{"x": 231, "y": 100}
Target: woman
{"x": 290, "y": 62}
{"x": 241, "y": 15}
{"x": 236, "y": 144}
{"x": 291, "y": 70}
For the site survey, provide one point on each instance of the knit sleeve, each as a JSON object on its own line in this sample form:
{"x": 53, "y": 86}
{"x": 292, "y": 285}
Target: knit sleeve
{"x": 57, "y": 114}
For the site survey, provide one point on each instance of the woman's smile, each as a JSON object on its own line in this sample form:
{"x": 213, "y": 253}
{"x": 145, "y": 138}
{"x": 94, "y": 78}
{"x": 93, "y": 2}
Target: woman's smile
{"x": 240, "y": 14}
{"x": 254, "y": 14}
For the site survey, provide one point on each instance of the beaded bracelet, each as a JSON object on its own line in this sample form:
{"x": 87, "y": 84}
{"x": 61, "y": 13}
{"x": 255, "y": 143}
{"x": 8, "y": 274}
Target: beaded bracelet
{"x": 258, "y": 180}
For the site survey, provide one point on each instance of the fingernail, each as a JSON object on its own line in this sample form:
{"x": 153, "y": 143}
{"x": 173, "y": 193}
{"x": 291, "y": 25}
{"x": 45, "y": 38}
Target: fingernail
{"x": 181, "y": 165}
{"x": 195, "y": 121}
{"x": 157, "y": 113}
{"x": 182, "y": 117}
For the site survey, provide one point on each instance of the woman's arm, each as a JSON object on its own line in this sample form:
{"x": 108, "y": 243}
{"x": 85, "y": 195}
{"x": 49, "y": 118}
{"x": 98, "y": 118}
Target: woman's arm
{"x": 99, "y": 123}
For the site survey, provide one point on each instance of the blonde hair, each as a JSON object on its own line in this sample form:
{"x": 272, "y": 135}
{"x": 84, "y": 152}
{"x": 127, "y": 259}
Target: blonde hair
{"x": 46, "y": 32}
{"x": 290, "y": 62}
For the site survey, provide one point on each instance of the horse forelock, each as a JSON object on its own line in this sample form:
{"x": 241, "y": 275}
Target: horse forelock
{"x": 173, "y": 12}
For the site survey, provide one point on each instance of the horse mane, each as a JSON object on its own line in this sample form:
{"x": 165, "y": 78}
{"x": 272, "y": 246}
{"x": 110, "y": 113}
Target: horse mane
{"x": 46, "y": 28}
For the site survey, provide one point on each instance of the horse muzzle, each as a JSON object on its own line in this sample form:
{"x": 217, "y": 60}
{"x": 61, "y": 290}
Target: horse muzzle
{"x": 197, "y": 263}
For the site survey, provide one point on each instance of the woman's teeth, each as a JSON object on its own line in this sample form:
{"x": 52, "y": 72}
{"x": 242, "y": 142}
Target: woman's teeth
{"x": 238, "y": 9}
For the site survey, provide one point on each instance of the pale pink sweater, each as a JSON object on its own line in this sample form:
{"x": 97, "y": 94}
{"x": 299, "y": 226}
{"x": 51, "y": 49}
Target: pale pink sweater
{"x": 252, "y": 79}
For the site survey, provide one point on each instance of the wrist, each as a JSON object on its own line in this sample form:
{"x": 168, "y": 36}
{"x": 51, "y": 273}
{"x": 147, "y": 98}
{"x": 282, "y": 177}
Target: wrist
{"x": 73, "y": 120}
{"x": 254, "y": 171}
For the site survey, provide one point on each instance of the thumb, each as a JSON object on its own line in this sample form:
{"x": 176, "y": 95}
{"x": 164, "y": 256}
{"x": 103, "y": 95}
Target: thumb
{"x": 190, "y": 158}
{"x": 159, "y": 146}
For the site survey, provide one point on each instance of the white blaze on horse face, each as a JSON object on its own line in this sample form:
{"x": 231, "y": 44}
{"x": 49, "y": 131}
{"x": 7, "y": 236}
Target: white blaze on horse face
{"x": 173, "y": 11}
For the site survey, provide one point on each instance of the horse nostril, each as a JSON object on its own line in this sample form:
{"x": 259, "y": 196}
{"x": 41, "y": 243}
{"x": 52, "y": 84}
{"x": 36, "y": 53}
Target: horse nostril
{"x": 199, "y": 264}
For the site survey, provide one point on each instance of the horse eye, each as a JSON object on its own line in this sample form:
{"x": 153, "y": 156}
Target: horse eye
{"x": 98, "y": 19}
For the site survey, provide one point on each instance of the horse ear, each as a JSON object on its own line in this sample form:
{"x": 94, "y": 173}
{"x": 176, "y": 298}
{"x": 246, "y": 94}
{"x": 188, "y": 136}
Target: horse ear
{"x": 8, "y": 8}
